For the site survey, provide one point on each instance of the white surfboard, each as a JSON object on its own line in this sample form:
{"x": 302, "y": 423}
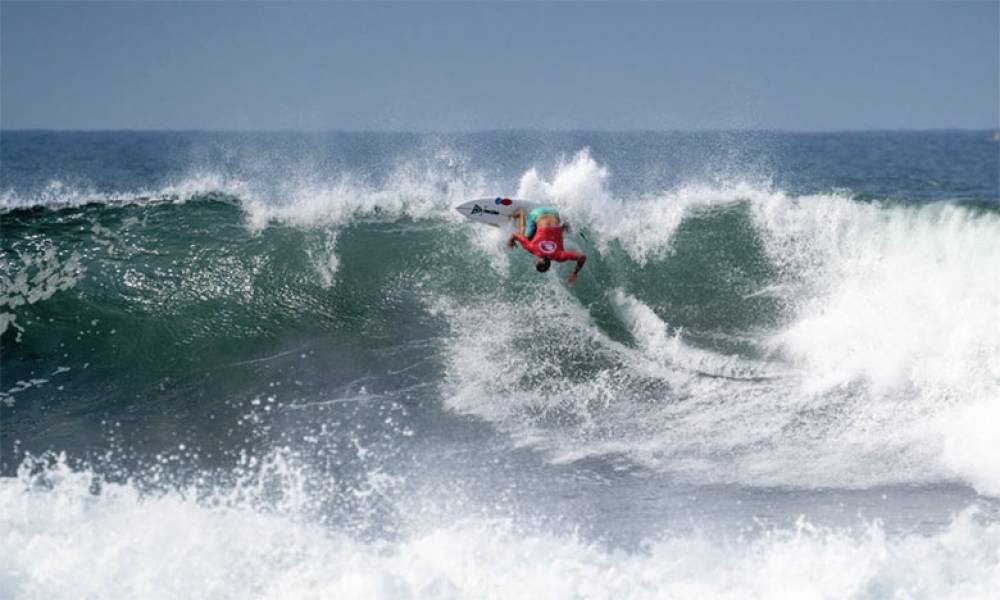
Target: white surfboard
{"x": 493, "y": 211}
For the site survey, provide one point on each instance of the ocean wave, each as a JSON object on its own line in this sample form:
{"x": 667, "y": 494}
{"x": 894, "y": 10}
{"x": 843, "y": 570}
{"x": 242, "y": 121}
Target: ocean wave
{"x": 880, "y": 339}
{"x": 889, "y": 333}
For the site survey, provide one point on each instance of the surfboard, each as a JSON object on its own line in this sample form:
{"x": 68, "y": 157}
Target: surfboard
{"x": 493, "y": 211}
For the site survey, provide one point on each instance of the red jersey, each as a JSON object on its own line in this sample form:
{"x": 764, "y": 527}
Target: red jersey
{"x": 548, "y": 243}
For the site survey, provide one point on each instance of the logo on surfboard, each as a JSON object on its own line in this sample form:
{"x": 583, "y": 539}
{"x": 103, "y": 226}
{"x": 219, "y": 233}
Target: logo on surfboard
{"x": 476, "y": 209}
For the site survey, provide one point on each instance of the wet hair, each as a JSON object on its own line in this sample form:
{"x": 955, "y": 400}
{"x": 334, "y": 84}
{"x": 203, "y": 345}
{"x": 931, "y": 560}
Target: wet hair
{"x": 543, "y": 264}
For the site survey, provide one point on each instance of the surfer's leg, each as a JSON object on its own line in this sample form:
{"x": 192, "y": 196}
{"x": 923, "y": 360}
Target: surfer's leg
{"x": 533, "y": 219}
{"x": 529, "y": 230}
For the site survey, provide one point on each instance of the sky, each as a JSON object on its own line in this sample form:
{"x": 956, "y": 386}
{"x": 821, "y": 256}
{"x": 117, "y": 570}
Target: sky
{"x": 800, "y": 66}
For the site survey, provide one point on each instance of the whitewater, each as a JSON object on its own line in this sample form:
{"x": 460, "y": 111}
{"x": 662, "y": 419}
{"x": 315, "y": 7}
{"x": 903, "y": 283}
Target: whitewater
{"x": 282, "y": 366}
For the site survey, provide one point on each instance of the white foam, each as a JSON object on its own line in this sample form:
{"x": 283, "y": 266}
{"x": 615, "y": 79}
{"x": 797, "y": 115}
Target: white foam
{"x": 972, "y": 443}
{"x": 64, "y": 540}
{"x": 895, "y": 297}
{"x": 552, "y": 379}
{"x": 902, "y": 306}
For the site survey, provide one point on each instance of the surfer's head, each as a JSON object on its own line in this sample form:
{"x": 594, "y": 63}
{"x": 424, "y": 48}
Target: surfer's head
{"x": 543, "y": 264}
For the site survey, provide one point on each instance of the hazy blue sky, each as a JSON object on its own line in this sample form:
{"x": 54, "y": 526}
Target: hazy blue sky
{"x": 415, "y": 66}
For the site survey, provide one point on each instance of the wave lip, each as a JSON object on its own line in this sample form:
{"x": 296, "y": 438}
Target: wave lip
{"x": 57, "y": 194}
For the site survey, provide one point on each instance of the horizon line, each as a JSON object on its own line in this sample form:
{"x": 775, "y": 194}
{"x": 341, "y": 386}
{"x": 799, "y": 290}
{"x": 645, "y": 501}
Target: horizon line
{"x": 496, "y": 130}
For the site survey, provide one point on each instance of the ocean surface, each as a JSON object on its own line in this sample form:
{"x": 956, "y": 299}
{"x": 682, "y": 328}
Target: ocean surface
{"x": 281, "y": 366}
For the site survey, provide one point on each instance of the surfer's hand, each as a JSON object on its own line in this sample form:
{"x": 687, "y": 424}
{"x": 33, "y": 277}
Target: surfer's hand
{"x": 571, "y": 279}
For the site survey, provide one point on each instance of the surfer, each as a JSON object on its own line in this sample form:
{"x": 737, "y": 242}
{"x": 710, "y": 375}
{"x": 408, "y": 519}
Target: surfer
{"x": 541, "y": 233}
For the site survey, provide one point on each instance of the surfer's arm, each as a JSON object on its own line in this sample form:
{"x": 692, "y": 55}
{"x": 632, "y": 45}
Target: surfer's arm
{"x": 521, "y": 222}
{"x": 581, "y": 259}
{"x": 519, "y": 215}
{"x": 517, "y": 237}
